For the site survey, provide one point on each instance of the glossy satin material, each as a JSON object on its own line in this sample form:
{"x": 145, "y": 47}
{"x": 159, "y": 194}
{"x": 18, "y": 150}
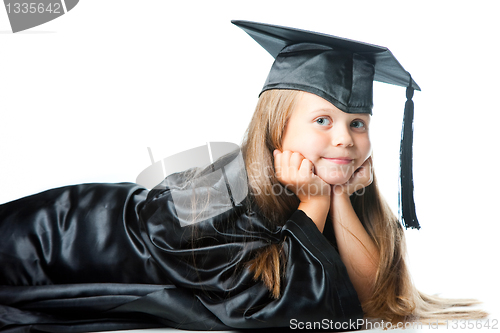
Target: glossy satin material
{"x": 113, "y": 256}
{"x": 275, "y": 39}
{"x": 343, "y": 78}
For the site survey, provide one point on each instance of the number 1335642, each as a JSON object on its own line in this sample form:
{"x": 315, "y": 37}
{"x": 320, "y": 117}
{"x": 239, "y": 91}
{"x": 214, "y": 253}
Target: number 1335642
{"x": 33, "y": 7}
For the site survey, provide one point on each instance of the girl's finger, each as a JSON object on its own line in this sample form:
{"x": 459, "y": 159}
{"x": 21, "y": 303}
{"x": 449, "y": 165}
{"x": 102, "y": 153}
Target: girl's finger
{"x": 368, "y": 162}
{"x": 306, "y": 167}
{"x": 285, "y": 159}
{"x": 296, "y": 160}
{"x": 277, "y": 162}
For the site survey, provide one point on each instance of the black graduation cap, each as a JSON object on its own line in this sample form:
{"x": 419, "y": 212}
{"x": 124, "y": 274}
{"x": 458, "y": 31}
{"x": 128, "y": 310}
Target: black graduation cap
{"x": 341, "y": 71}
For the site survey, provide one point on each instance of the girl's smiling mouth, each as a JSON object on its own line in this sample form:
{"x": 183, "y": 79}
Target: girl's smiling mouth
{"x": 339, "y": 160}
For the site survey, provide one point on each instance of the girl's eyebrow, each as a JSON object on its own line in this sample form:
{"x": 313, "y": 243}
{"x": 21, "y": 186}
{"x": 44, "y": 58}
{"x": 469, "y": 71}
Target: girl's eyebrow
{"x": 363, "y": 115}
{"x": 333, "y": 111}
{"x": 323, "y": 110}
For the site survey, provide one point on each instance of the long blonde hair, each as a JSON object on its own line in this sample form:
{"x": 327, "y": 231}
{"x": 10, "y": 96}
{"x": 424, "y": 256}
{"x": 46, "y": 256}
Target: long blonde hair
{"x": 394, "y": 298}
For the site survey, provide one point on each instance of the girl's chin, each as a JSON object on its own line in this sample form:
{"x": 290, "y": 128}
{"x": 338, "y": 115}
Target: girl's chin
{"x": 335, "y": 180}
{"x": 336, "y": 176}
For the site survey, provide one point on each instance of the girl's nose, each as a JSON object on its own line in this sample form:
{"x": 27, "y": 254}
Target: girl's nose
{"x": 342, "y": 136}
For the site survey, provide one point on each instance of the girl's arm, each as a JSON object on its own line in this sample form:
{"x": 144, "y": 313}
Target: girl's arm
{"x": 357, "y": 251}
{"x": 296, "y": 173}
{"x": 316, "y": 211}
{"x": 356, "y": 248}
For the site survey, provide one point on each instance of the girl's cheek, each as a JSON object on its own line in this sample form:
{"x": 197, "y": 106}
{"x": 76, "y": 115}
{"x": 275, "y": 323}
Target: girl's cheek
{"x": 365, "y": 147}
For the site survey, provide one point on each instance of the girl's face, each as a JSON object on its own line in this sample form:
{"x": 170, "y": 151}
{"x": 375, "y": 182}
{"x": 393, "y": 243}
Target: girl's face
{"x": 337, "y": 143}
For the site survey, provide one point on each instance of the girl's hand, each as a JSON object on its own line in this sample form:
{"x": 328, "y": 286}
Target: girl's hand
{"x": 360, "y": 179}
{"x": 296, "y": 173}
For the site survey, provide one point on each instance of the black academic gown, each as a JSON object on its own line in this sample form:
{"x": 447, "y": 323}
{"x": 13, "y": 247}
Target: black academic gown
{"x": 95, "y": 257}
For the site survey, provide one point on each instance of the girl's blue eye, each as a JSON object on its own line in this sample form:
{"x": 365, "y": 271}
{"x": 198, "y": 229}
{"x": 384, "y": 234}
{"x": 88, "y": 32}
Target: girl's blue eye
{"x": 358, "y": 124}
{"x": 323, "y": 121}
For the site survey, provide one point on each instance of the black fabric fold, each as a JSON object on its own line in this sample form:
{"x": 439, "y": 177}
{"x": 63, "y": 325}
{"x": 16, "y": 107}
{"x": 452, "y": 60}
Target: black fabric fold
{"x": 94, "y": 257}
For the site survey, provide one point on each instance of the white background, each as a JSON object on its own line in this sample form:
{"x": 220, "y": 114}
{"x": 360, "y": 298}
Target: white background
{"x": 83, "y": 96}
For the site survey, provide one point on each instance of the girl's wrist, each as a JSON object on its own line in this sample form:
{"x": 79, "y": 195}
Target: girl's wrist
{"x": 317, "y": 202}
{"x": 340, "y": 191}
{"x": 316, "y": 210}
{"x": 339, "y": 200}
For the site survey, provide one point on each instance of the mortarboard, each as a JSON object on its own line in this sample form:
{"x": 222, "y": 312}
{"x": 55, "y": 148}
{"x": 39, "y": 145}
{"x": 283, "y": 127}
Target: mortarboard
{"x": 341, "y": 71}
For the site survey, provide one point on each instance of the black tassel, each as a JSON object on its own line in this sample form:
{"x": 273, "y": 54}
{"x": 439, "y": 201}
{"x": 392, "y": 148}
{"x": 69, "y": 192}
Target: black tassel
{"x": 406, "y": 199}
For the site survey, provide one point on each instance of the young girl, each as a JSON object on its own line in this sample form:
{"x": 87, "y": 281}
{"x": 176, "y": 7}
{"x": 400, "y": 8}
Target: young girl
{"x": 310, "y": 242}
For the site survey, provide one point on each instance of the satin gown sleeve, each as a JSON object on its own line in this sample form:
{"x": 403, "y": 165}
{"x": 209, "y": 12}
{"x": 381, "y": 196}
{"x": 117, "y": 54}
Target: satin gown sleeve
{"x": 96, "y": 257}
